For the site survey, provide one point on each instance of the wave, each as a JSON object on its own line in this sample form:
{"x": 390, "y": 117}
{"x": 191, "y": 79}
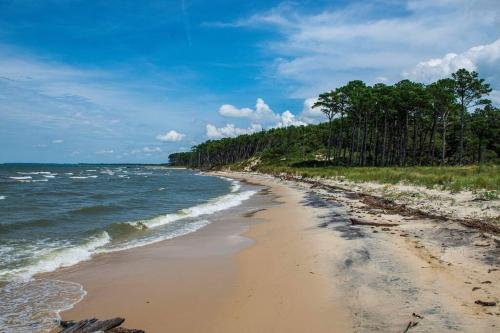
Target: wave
{"x": 235, "y": 184}
{"x": 79, "y": 177}
{"x": 21, "y": 178}
{"x": 2, "y": 197}
{"x": 221, "y": 203}
{"x": 59, "y": 257}
{"x": 35, "y": 173}
{"x": 186, "y": 229}
{"x": 119, "y": 231}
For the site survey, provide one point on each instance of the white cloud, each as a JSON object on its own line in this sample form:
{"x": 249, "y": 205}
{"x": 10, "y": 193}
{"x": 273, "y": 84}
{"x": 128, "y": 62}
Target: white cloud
{"x": 57, "y": 141}
{"x": 171, "y": 136}
{"x": 288, "y": 119}
{"x": 105, "y": 151}
{"x": 309, "y": 114}
{"x": 262, "y": 112}
{"x": 151, "y": 149}
{"x": 473, "y": 59}
{"x": 230, "y": 130}
{"x": 228, "y": 110}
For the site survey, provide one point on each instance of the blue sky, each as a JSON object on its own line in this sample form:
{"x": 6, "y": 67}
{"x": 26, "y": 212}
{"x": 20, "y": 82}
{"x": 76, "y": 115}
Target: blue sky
{"x": 132, "y": 81}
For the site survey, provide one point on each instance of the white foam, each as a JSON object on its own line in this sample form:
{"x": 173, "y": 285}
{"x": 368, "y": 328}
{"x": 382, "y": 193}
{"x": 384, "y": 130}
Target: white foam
{"x": 93, "y": 176}
{"x": 79, "y": 177}
{"x": 2, "y": 197}
{"x": 35, "y": 173}
{"x": 59, "y": 257}
{"x": 221, "y": 203}
{"x": 235, "y": 184}
{"x": 21, "y": 178}
{"x": 49, "y": 176}
{"x": 91, "y": 170}
{"x": 34, "y": 306}
{"x": 39, "y": 180}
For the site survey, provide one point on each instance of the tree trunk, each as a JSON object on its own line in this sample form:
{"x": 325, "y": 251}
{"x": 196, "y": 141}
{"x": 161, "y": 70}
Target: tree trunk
{"x": 433, "y": 135}
{"x": 443, "y": 151}
{"x": 383, "y": 139}
{"x": 329, "y": 139}
{"x": 405, "y": 140}
{"x": 461, "y": 144}
{"x": 414, "y": 146}
{"x": 363, "y": 141}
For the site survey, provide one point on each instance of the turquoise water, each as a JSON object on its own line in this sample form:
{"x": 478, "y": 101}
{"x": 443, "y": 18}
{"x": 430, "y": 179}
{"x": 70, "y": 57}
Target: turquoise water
{"x": 55, "y": 216}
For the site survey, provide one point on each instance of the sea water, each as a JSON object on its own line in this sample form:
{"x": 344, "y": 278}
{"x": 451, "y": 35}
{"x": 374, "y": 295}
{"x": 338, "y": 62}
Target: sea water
{"x": 54, "y": 216}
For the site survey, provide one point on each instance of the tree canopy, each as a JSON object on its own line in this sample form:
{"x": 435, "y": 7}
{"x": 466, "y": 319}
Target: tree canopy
{"x": 446, "y": 122}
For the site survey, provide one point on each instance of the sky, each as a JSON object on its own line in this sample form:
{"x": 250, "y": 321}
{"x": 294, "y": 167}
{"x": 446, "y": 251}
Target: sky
{"x": 133, "y": 81}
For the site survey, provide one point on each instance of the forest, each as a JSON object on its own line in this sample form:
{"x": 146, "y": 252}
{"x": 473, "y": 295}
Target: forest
{"x": 447, "y": 122}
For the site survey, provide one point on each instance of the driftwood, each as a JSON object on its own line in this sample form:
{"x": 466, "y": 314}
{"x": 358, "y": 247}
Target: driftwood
{"x": 376, "y": 224}
{"x": 125, "y": 330}
{"x": 485, "y": 303}
{"x": 95, "y": 325}
{"x": 410, "y": 325}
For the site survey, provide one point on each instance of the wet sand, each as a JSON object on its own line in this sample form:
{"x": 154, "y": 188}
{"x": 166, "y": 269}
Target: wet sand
{"x": 251, "y": 270}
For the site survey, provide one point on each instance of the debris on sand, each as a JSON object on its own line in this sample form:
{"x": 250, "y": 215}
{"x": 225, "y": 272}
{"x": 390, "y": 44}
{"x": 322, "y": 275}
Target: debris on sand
{"x": 485, "y": 303}
{"x": 95, "y": 325}
{"x": 376, "y": 224}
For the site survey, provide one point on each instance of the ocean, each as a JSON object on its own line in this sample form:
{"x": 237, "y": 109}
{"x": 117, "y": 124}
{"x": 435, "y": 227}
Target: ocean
{"x": 54, "y": 216}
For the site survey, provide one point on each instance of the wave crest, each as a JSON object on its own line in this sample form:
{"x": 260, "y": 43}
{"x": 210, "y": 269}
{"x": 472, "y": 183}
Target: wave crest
{"x": 59, "y": 257}
{"x": 221, "y": 203}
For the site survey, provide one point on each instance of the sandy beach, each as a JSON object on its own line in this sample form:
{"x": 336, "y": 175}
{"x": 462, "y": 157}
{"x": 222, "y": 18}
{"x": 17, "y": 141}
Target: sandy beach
{"x": 256, "y": 268}
{"x": 289, "y": 260}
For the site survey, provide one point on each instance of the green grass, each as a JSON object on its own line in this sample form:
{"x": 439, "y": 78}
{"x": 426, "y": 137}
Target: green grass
{"x": 453, "y": 178}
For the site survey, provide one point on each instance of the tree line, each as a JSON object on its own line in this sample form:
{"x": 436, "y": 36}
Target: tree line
{"x": 446, "y": 122}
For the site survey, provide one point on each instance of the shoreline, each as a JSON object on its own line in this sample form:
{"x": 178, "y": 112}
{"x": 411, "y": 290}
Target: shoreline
{"x": 298, "y": 264}
{"x": 190, "y": 282}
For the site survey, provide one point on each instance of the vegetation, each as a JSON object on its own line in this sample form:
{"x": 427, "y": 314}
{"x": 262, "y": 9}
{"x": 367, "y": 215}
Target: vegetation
{"x": 453, "y": 178}
{"x": 408, "y": 124}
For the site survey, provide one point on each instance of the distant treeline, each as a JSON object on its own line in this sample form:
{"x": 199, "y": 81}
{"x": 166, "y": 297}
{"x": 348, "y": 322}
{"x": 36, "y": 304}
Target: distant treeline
{"x": 446, "y": 122}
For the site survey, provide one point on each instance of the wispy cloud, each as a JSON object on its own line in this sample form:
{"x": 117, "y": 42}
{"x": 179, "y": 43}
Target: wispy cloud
{"x": 49, "y": 98}
{"x": 322, "y": 50}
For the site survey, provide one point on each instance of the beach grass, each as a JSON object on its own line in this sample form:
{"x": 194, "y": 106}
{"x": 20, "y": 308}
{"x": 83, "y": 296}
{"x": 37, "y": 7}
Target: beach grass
{"x": 485, "y": 178}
